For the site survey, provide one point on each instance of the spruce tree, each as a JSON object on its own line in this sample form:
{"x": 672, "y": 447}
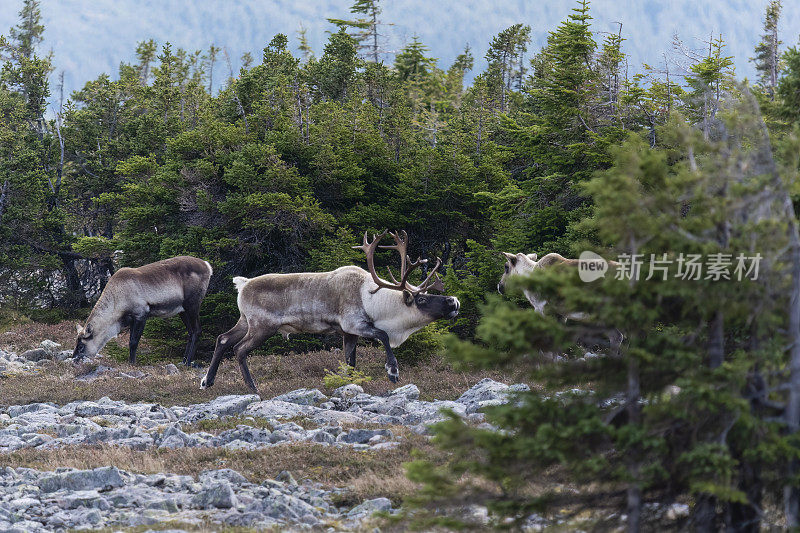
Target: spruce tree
{"x": 669, "y": 416}
{"x": 767, "y": 58}
{"x": 366, "y": 27}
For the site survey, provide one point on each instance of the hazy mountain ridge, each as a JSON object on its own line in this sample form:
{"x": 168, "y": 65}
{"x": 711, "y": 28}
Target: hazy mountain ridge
{"x": 92, "y": 37}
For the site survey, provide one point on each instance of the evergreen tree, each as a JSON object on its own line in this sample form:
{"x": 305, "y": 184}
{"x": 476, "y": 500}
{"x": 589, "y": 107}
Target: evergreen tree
{"x": 788, "y": 104}
{"x": 767, "y": 58}
{"x": 711, "y": 77}
{"x": 506, "y": 57}
{"x": 335, "y": 71}
{"x": 366, "y": 27}
{"x": 662, "y": 417}
{"x": 558, "y": 141}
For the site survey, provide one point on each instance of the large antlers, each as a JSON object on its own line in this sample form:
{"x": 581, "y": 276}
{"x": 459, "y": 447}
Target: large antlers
{"x": 431, "y": 282}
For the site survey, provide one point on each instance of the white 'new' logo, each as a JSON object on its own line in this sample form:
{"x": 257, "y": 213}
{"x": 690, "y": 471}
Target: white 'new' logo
{"x": 591, "y": 266}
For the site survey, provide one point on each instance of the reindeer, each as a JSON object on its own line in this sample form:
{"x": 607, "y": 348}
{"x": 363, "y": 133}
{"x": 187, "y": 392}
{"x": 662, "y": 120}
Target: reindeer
{"x": 522, "y": 265}
{"x": 174, "y": 286}
{"x": 349, "y": 300}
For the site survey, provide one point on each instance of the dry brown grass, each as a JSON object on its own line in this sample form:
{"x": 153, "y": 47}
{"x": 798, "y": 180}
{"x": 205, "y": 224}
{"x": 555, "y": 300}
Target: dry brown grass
{"x": 274, "y": 374}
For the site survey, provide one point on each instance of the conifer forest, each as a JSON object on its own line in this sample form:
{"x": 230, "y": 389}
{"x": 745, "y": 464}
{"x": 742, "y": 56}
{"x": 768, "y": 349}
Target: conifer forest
{"x": 622, "y": 240}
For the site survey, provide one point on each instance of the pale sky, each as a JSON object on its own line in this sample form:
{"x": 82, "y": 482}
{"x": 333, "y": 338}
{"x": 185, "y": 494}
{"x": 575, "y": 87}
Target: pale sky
{"x": 90, "y": 37}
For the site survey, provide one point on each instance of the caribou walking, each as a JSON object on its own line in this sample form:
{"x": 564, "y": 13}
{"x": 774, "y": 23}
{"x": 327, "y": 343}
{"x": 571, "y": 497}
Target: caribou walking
{"x": 349, "y": 300}
{"x": 524, "y": 264}
{"x": 174, "y": 286}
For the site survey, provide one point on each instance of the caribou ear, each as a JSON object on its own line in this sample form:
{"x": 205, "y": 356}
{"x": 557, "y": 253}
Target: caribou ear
{"x": 78, "y": 328}
{"x": 408, "y": 298}
{"x": 511, "y": 257}
{"x": 533, "y": 257}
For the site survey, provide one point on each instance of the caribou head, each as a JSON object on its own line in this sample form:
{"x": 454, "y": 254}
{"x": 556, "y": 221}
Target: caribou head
{"x": 434, "y": 305}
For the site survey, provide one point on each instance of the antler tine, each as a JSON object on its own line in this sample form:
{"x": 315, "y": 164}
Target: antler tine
{"x": 432, "y": 281}
{"x": 436, "y": 284}
{"x": 411, "y": 266}
{"x": 401, "y": 245}
{"x": 391, "y": 276}
{"x": 369, "y": 250}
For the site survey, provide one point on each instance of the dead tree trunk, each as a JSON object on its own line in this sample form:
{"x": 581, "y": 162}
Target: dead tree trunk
{"x": 634, "y": 408}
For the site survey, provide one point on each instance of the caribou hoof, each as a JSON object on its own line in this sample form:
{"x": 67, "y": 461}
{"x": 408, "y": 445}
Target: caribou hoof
{"x": 394, "y": 375}
{"x": 204, "y": 384}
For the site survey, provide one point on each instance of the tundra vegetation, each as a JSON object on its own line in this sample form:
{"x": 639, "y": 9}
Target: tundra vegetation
{"x": 556, "y": 150}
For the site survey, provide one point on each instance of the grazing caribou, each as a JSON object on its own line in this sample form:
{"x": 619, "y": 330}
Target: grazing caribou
{"x": 522, "y": 264}
{"x": 349, "y": 300}
{"x": 174, "y": 286}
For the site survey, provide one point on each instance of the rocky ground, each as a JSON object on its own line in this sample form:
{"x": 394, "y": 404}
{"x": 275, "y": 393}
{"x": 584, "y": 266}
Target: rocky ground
{"x": 67, "y": 499}
{"x": 108, "y": 497}
{"x": 348, "y": 418}
{"x": 32, "y": 360}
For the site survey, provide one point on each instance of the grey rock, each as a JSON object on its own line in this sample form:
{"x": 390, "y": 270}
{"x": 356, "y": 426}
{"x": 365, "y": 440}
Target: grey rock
{"x": 410, "y": 391}
{"x": 244, "y": 434}
{"x": 286, "y": 477}
{"x": 50, "y": 347}
{"x": 168, "y": 504}
{"x": 174, "y": 437}
{"x": 488, "y": 392}
{"x": 477, "y": 514}
{"x": 104, "y": 478}
{"x": 362, "y": 436}
{"x": 302, "y": 397}
{"x": 283, "y": 506}
{"x": 385, "y": 446}
{"x": 136, "y": 374}
{"x": 323, "y": 437}
{"x": 370, "y": 506}
{"x": 171, "y": 370}
{"x": 231, "y": 405}
{"x": 219, "y": 495}
{"x": 83, "y": 498}
{"x": 430, "y": 412}
{"x": 677, "y": 511}
{"x": 393, "y": 406}
{"x": 278, "y": 409}
{"x": 63, "y": 355}
{"x": 21, "y": 504}
{"x": 17, "y": 410}
{"x": 36, "y": 354}
{"x": 348, "y": 391}
{"x": 172, "y": 442}
{"x": 322, "y": 416}
{"x": 9, "y": 443}
{"x": 224, "y": 474}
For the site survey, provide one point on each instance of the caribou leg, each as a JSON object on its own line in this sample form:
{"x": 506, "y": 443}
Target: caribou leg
{"x": 224, "y": 341}
{"x": 191, "y": 319}
{"x": 371, "y": 332}
{"x": 350, "y": 341}
{"x": 137, "y": 328}
{"x": 254, "y": 337}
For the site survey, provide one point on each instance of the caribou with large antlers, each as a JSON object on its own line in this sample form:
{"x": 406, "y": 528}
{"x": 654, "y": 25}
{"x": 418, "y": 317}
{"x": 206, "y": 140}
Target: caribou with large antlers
{"x": 349, "y": 300}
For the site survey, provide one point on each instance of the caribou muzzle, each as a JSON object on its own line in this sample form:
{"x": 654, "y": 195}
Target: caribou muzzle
{"x": 455, "y": 306}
